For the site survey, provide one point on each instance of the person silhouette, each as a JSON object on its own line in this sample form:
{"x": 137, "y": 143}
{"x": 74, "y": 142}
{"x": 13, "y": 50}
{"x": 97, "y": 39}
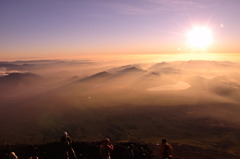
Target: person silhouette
{"x": 165, "y": 149}
{"x": 12, "y": 155}
{"x": 67, "y": 146}
{"x": 105, "y": 149}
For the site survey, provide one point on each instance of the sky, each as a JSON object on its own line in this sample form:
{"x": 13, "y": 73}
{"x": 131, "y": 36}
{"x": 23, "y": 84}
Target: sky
{"x": 62, "y": 28}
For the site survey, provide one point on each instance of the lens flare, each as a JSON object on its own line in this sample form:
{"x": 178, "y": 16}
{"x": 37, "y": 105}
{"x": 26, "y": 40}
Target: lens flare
{"x": 199, "y": 37}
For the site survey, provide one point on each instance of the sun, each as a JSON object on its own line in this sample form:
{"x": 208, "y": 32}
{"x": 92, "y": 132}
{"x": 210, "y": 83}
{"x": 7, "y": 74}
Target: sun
{"x": 199, "y": 37}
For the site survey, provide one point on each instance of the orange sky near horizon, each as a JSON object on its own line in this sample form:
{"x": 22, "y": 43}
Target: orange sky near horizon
{"x": 58, "y": 28}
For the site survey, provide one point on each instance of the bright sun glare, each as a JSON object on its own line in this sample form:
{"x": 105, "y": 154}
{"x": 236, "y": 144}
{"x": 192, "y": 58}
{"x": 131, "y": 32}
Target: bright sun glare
{"x": 200, "y": 37}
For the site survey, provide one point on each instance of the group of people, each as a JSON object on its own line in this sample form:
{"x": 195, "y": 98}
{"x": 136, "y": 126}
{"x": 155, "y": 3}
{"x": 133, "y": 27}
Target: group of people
{"x": 104, "y": 150}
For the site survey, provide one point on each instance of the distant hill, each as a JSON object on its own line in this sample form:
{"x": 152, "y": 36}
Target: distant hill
{"x": 98, "y": 76}
{"x": 14, "y": 78}
{"x": 15, "y": 83}
{"x": 159, "y": 65}
{"x": 165, "y": 68}
{"x": 121, "y": 68}
{"x": 104, "y": 75}
{"x": 131, "y": 70}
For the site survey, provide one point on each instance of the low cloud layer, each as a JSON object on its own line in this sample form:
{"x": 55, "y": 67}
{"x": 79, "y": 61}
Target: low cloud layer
{"x": 54, "y": 96}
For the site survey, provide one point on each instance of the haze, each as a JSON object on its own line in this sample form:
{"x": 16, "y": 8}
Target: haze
{"x": 140, "y": 101}
{"x": 134, "y": 71}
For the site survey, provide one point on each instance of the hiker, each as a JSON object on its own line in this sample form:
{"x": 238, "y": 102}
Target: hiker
{"x": 142, "y": 154}
{"x": 130, "y": 152}
{"x": 165, "y": 150}
{"x": 67, "y": 146}
{"x": 12, "y": 155}
{"x": 105, "y": 149}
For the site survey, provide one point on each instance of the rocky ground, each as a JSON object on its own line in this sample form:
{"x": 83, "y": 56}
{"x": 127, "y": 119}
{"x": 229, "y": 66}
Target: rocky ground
{"x": 89, "y": 150}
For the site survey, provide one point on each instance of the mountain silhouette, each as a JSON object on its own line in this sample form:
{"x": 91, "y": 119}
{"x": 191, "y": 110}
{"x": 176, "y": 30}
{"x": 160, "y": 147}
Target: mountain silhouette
{"x": 96, "y": 77}
{"x": 19, "y": 78}
{"x": 130, "y": 70}
{"x": 165, "y": 68}
{"x": 159, "y": 65}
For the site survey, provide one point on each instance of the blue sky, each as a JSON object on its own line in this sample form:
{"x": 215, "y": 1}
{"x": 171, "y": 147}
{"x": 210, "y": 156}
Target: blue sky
{"x": 32, "y": 28}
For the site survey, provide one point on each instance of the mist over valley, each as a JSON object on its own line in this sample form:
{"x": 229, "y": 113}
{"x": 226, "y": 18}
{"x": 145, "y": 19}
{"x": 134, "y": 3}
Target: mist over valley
{"x": 193, "y": 102}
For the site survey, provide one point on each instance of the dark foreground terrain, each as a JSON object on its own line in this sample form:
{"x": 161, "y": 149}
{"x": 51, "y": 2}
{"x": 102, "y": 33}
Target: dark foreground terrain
{"x": 89, "y": 150}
